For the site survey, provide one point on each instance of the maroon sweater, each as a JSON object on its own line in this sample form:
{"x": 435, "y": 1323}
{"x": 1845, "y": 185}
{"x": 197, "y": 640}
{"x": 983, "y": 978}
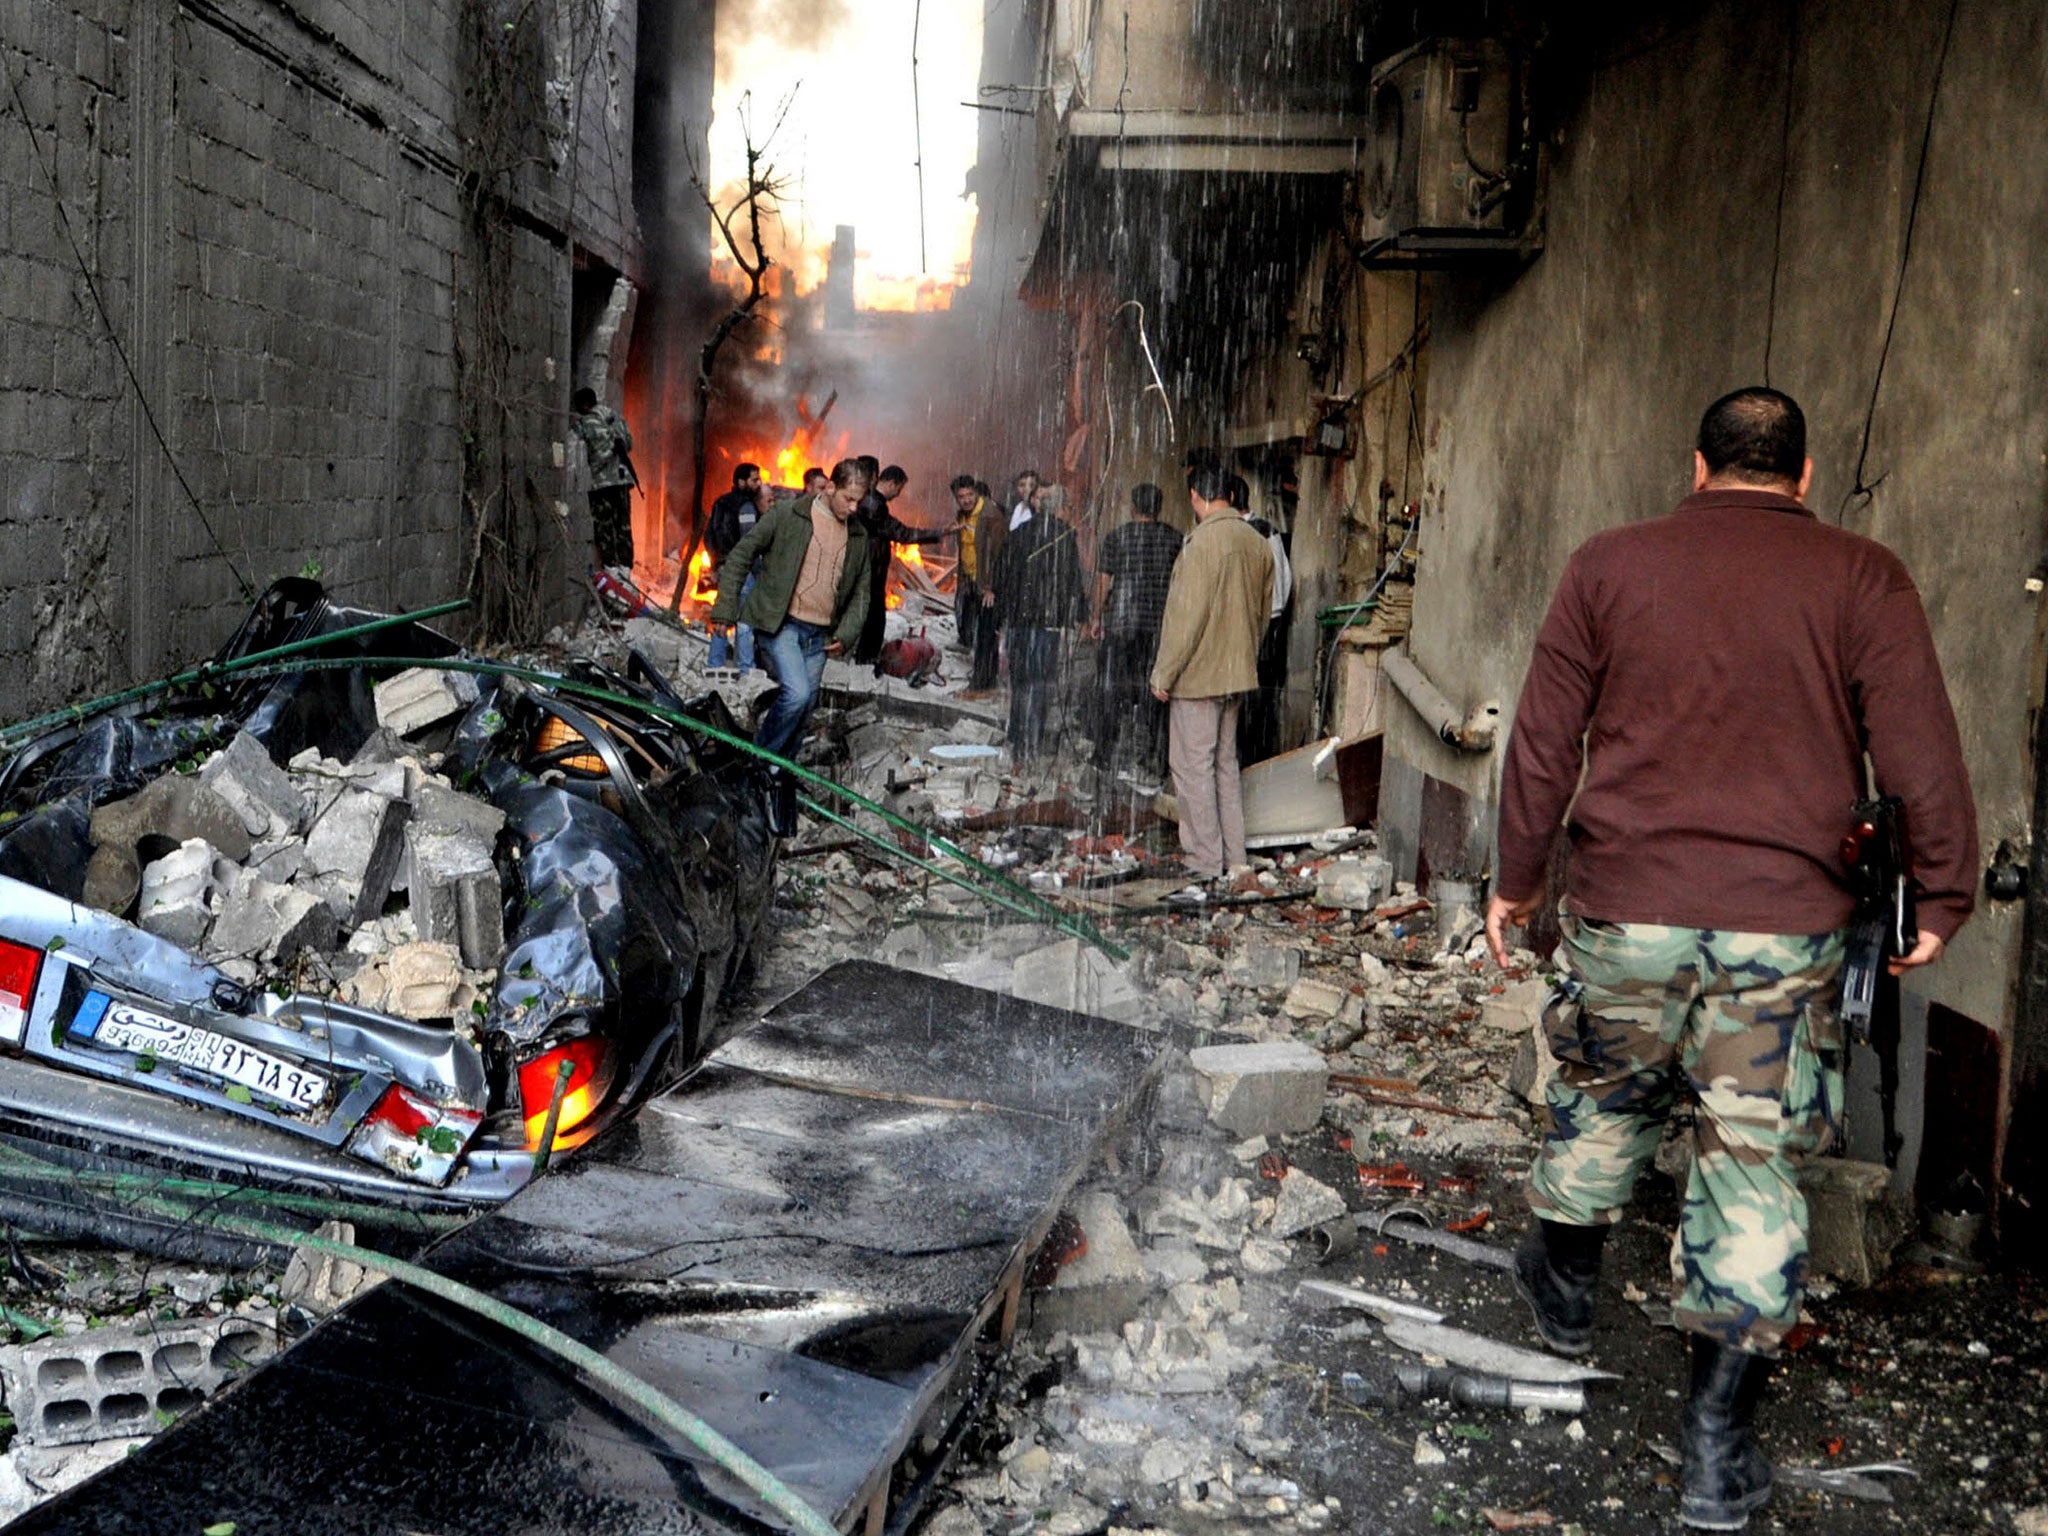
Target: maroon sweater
{"x": 1724, "y": 669}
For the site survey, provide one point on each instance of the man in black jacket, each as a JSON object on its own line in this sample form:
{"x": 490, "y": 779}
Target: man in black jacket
{"x": 884, "y": 530}
{"x": 732, "y": 518}
{"x": 1039, "y": 592}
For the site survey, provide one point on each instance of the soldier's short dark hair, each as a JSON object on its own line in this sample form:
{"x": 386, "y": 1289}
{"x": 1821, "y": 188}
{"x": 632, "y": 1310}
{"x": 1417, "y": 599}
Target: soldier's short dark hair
{"x": 981, "y": 488}
{"x": 815, "y": 470}
{"x": 1240, "y": 493}
{"x": 895, "y": 472}
{"x": 1027, "y": 474}
{"x": 585, "y": 399}
{"x": 964, "y": 483}
{"x": 1147, "y": 499}
{"x": 1209, "y": 480}
{"x": 848, "y": 473}
{"x": 1754, "y": 434}
{"x": 743, "y": 473}
{"x": 869, "y": 466}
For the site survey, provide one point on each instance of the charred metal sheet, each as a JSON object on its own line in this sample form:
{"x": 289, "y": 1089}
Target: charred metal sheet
{"x": 800, "y": 1242}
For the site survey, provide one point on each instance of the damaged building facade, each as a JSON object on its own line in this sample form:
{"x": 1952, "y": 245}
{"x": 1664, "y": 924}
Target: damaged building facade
{"x": 1453, "y": 301}
{"x": 356, "y": 257}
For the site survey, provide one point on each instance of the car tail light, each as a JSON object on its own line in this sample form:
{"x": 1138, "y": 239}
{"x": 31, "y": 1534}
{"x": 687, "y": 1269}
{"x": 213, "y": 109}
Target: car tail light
{"x": 412, "y": 1136}
{"x": 590, "y": 1078}
{"x": 19, "y": 967}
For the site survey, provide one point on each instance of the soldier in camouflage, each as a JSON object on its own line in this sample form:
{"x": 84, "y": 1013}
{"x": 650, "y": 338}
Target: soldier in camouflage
{"x": 1696, "y": 721}
{"x": 607, "y": 442}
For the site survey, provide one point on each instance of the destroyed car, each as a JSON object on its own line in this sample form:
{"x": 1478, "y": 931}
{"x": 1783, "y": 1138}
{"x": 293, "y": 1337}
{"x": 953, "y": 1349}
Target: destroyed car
{"x": 339, "y": 936}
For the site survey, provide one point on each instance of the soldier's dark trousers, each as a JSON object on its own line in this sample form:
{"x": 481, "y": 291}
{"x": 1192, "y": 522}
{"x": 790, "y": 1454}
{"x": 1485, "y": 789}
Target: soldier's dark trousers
{"x": 1740, "y": 1025}
{"x": 611, "y": 525}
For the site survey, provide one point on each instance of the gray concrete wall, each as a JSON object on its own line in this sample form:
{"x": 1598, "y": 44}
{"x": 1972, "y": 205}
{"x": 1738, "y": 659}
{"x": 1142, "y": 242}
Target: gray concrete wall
{"x": 1563, "y": 401}
{"x": 267, "y": 200}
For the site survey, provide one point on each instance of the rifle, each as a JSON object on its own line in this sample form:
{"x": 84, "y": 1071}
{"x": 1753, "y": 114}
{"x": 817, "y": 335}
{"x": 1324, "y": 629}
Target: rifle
{"x": 1885, "y": 925}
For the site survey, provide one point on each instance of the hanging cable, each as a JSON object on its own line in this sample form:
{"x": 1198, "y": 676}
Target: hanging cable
{"x": 1884, "y": 352}
{"x": 106, "y": 318}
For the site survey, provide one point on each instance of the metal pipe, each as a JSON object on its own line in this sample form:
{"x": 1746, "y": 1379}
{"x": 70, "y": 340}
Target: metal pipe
{"x": 1469, "y": 732}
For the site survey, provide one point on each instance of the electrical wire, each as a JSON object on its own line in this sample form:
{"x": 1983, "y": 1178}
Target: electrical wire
{"x": 1860, "y": 487}
{"x": 113, "y": 335}
{"x": 1784, "y": 176}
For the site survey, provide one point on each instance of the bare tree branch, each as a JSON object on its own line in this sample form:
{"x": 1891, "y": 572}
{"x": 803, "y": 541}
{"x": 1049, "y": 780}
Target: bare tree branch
{"x": 761, "y": 192}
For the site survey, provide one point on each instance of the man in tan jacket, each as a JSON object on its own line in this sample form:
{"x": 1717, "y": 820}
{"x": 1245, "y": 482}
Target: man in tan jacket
{"x": 1216, "y": 611}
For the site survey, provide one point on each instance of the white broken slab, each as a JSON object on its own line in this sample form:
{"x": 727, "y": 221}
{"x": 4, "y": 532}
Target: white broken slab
{"x": 260, "y": 792}
{"x": 421, "y": 697}
{"x": 1267, "y": 1089}
{"x": 1304, "y": 1202}
{"x": 1328, "y": 1293}
{"x": 1476, "y": 1352}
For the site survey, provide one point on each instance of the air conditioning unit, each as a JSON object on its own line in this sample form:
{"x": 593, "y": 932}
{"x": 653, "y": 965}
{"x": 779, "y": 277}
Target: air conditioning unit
{"x": 1448, "y": 169}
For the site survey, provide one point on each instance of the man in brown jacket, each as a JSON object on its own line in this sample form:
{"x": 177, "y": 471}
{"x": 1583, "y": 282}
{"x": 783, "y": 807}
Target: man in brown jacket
{"x": 1697, "y": 718}
{"x": 1216, "y": 609}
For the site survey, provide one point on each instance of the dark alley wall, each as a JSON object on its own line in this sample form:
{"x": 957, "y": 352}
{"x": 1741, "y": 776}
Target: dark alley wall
{"x": 1563, "y": 401}
{"x": 269, "y": 201}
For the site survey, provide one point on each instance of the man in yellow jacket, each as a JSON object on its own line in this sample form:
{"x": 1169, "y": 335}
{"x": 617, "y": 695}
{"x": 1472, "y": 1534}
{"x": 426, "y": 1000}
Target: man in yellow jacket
{"x": 1216, "y": 610}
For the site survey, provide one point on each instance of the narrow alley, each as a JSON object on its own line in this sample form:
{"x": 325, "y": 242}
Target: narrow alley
{"x": 1027, "y": 768}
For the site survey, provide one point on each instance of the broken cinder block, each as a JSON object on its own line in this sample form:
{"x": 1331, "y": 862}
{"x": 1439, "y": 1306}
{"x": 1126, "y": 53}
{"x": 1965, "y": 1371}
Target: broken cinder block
{"x": 1266, "y": 966}
{"x": 453, "y": 889}
{"x": 1354, "y": 885}
{"x": 1854, "y": 1222}
{"x": 420, "y": 697}
{"x": 1268, "y": 1089}
{"x": 178, "y": 893}
{"x": 260, "y": 792}
{"x": 1310, "y": 999}
{"x": 1077, "y": 977}
{"x": 262, "y": 920}
{"x": 352, "y": 853}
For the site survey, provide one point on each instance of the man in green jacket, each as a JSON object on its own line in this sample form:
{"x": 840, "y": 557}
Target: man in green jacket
{"x": 809, "y": 600}
{"x": 1216, "y": 609}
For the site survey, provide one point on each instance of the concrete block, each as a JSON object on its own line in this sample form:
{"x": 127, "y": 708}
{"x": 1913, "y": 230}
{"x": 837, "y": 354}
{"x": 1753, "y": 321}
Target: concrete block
{"x": 661, "y": 644}
{"x": 1354, "y": 885}
{"x": 261, "y": 793}
{"x": 421, "y": 697}
{"x": 1312, "y": 999}
{"x": 279, "y": 861}
{"x": 111, "y": 1382}
{"x": 453, "y": 889}
{"x": 1530, "y": 1073}
{"x": 178, "y": 892}
{"x": 1266, "y": 966}
{"x": 321, "y": 1283}
{"x": 437, "y": 808}
{"x": 1079, "y": 978}
{"x": 1854, "y": 1223}
{"x": 262, "y": 920}
{"x": 352, "y": 853}
{"x": 413, "y": 981}
{"x": 1272, "y": 1088}
{"x": 1516, "y": 1010}
{"x": 177, "y": 807}
{"x": 1104, "y": 1288}
{"x": 1304, "y": 1202}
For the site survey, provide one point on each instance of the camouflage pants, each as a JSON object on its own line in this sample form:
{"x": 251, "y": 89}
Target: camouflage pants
{"x": 1743, "y": 1026}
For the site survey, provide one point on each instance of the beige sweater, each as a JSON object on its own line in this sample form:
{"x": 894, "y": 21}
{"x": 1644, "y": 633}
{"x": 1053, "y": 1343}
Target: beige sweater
{"x": 1216, "y": 610}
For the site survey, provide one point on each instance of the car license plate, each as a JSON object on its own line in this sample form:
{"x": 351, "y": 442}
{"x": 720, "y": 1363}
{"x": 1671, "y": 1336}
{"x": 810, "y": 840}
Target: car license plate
{"x": 122, "y": 1027}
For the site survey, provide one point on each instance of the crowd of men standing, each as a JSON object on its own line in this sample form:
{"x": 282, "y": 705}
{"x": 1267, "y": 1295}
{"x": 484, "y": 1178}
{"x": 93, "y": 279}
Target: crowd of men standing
{"x": 1181, "y": 624}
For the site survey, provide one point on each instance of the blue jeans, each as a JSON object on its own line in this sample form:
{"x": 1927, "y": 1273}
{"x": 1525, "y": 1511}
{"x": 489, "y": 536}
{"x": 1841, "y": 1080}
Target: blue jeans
{"x": 795, "y": 655}
{"x": 721, "y": 646}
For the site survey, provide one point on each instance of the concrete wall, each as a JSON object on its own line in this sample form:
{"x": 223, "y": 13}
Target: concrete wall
{"x": 266, "y": 199}
{"x": 1563, "y": 400}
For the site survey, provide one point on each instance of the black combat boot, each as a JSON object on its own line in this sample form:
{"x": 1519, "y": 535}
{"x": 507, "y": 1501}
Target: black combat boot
{"x": 1724, "y": 1474}
{"x": 1555, "y": 1268}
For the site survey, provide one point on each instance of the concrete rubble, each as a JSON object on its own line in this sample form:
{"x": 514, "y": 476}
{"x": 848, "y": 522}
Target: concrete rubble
{"x": 375, "y": 879}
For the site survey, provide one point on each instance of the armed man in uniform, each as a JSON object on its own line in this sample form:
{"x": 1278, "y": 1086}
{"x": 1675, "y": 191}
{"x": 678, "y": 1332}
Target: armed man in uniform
{"x": 1696, "y": 716}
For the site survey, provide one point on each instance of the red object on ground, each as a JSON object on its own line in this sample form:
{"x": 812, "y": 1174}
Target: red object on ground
{"x": 1390, "y": 1176}
{"x": 1273, "y": 1165}
{"x": 1471, "y": 1223}
{"x": 1458, "y": 1183}
{"x": 913, "y": 658}
{"x": 1064, "y": 1243}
